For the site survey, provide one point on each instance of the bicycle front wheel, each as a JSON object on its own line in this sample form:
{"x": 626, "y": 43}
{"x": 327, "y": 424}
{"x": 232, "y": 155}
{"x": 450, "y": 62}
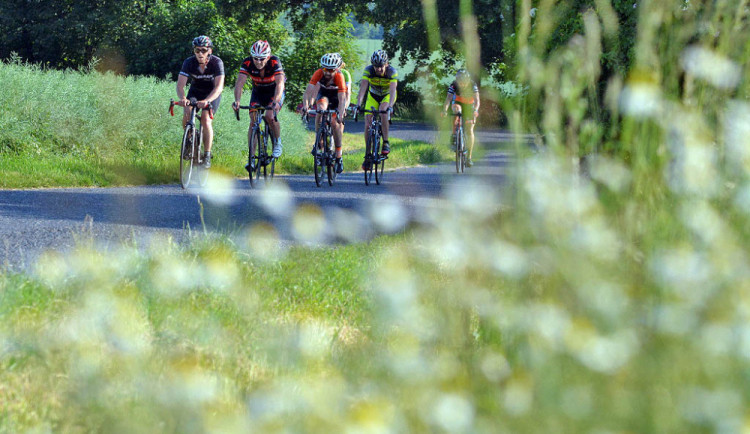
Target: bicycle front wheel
{"x": 463, "y": 150}
{"x": 319, "y": 158}
{"x": 186, "y": 156}
{"x": 379, "y": 170}
{"x": 459, "y": 152}
{"x": 330, "y": 160}
{"x": 253, "y": 148}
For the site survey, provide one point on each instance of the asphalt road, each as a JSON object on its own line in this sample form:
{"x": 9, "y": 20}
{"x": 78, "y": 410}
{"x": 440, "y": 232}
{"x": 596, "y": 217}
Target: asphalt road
{"x": 32, "y": 221}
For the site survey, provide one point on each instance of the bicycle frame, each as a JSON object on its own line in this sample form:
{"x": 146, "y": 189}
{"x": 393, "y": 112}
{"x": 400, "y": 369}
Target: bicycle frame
{"x": 325, "y": 158}
{"x": 193, "y": 134}
{"x": 262, "y": 132}
{"x": 459, "y": 143}
{"x": 372, "y": 153}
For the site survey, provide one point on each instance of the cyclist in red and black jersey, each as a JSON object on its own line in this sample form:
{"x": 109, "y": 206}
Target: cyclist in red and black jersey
{"x": 205, "y": 72}
{"x": 328, "y": 90}
{"x": 268, "y": 78}
{"x": 463, "y": 97}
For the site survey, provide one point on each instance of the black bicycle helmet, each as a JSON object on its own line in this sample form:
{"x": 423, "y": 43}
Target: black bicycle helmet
{"x": 202, "y": 41}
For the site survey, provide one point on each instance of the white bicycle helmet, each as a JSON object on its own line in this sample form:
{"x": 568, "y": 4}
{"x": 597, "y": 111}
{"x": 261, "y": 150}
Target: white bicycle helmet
{"x": 379, "y": 58}
{"x": 261, "y": 49}
{"x": 331, "y": 61}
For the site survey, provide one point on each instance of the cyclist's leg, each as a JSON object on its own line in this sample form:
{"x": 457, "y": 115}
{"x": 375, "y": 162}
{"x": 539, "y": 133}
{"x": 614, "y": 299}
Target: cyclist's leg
{"x": 337, "y": 128}
{"x": 276, "y": 125}
{"x": 321, "y": 103}
{"x": 469, "y": 125}
{"x": 384, "y": 117}
{"x": 371, "y": 103}
{"x": 208, "y": 126}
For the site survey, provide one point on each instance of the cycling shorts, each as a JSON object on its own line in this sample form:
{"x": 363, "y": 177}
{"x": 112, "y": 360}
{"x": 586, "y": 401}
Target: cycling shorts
{"x": 201, "y": 96}
{"x": 467, "y": 109}
{"x": 376, "y": 100}
{"x": 332, "y": 98}
{"x": 263, "y": 96}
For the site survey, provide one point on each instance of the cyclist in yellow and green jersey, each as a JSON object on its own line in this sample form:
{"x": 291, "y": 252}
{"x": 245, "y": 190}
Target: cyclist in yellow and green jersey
{"x": 378, "y": 85}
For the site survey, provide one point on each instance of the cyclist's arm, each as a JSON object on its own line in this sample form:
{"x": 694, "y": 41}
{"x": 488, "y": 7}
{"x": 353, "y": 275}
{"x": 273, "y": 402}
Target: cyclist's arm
{"x": 280, "y": 82}
{"x": 181, "y": 82}
{"x": 309, "y": 95}
{"x": 448, "y": 99}
{"x": 239, "y": 85}
{"x": 392, "y": 89}
{"x": 476, "y": 102}
{"x": 218, "y": 87}
{"x": 364, "y": 85}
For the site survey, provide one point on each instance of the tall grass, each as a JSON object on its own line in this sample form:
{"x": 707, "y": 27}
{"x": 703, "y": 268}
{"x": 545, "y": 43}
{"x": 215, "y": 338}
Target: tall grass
{"x": 605, "y": 291}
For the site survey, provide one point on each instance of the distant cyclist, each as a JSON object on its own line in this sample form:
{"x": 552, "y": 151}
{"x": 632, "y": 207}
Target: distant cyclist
{"x": 378, "y": 86}
{"x": 463, "y": 97}
{"x": 268, "y": 80}
{"x": 205, "y": 72}
{"x": 327, "y": 89}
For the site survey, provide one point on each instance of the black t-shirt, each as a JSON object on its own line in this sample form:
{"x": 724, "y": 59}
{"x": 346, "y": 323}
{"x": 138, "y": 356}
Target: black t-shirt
{"x": 202, "y": 82}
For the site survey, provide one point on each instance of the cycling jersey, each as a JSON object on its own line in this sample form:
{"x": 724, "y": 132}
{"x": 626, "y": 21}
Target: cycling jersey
{"x": 265, "y": 77}
{"x": 380, "y": 85}
{"x": 329, "y": 87}
{"x": 456, "y": 90}
{"x": 347, "y": 78}
{"x": 202, "y": 83}
{"x": 336, "y": 83}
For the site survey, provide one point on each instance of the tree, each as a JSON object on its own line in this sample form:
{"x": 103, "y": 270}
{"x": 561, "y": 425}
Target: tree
{"x": 62, "y": 33}
{"x": 317, "y": 37}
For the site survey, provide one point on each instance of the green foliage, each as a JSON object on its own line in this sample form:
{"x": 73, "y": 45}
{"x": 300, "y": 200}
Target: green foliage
{"x": 302, "y": 57}
{"x": 161, "y": 50}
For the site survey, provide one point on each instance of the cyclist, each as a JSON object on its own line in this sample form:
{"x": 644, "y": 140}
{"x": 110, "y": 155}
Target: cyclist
{"x": 327, "y": 88}
{"x": 378, "y": 85}
{"x": 460, "y": 101}
{"x": 268, "y": 80}
{"x": 206, "y": 75}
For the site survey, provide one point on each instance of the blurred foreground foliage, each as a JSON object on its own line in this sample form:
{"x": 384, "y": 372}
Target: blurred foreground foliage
{"x": 606, "y": 289}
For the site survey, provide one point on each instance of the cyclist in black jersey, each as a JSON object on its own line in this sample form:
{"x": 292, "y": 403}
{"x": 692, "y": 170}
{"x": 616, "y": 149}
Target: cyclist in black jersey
{"x": 205, "y": 73}
{"x": 463, "y": 96}
{"x": 378, "y": 86}
{"x": 268, "y": 78}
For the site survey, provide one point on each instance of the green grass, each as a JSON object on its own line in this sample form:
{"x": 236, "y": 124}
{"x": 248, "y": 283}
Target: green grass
{"x": 68, "y": 128}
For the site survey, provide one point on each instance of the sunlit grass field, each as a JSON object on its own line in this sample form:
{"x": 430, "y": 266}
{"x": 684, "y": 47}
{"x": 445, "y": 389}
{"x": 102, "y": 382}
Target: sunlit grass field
{"x": 605, "y": 289}
{"x": 70, "y": 128}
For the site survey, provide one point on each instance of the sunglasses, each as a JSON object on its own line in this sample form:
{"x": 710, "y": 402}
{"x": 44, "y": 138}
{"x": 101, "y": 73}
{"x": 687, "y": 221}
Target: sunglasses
{"x": 201, "y": 50}
{"x": 259, "y": 59}
{"x": 329, "y": 70}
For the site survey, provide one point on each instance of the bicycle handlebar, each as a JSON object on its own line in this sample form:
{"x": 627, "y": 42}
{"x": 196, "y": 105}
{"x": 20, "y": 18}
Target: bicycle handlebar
{"x": 373, "y": 111}
{"x": 258, "y": 109}
{"x": 192, "y": 103}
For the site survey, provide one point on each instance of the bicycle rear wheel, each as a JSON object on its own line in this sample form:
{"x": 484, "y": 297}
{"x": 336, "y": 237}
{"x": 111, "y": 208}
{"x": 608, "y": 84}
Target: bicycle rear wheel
{"x": 199, "y": 149}
{"x": 319, "y": 158}
{"x": 186, "y": 156}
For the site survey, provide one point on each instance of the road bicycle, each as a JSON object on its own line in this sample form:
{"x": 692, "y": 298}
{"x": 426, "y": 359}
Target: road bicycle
{"x": 191, "y": 151}
{"x": 258, "y": 157}
{"x": 459, "y": 142}
{"x": 324, "y": 155}
{"x": 373, "y": 154}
